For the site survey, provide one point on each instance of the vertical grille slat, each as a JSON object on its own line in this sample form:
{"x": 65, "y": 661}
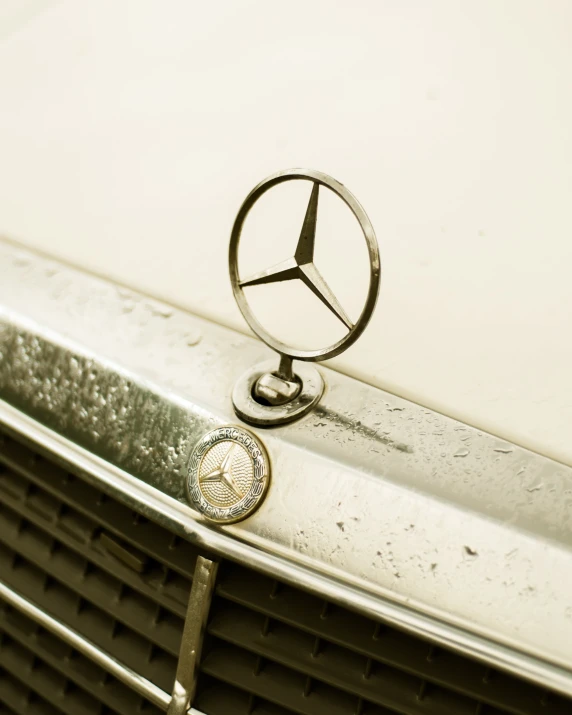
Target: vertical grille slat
{"x": 94, "y": 504}
{"x": 384, "y": 645}
{"x": 17, "y": 698}
{"x": 216, "y": 698}
{"x": 170, "y": 590}
{"x": 85, "y": 618}
{"x": 334, "y": 666}
{"x": 277, "y": 684}
{"x": 62, "y": 658}
{"x": 93, "y": 586}
{"x": 123, "y": 582}
{"x": 55, "y": 688}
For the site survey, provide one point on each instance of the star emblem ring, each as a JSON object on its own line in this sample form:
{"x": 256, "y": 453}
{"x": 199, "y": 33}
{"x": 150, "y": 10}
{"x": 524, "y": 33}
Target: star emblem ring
{"x": 228, "y": 474}
{"x": 301, "y": 266}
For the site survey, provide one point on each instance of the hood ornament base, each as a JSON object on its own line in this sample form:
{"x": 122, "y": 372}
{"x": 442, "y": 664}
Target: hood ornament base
{"x": 251, "y": 405}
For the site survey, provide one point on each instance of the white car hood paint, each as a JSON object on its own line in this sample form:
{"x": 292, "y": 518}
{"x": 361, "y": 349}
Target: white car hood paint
{"x": 130, "y": 133}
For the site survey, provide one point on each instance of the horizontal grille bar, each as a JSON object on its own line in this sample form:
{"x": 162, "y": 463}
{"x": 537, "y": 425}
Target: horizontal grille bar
{"x": 94, "y": 506}
{"x": 136, "y": 682}
{"x": 122, "y": 673}
{"x": 17, "y": 699}
{"x": 40, "y": 650}
{"x": 312, "y": 624}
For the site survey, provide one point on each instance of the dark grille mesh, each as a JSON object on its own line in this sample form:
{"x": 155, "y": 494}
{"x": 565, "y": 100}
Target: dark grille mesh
{"x": 271, "y": 649}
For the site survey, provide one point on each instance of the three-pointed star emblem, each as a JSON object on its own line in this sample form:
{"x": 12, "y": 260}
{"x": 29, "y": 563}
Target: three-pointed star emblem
{"x": 223, "y": 474}
{"x": 302, "y": 267}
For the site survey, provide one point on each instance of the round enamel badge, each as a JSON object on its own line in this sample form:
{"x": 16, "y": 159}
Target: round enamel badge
{"x": 228, "y": 474}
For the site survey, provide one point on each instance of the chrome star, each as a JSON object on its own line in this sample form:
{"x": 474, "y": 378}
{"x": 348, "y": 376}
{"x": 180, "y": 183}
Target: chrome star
{"x": 302, "y": 267}
{"x": 223, "y": 473}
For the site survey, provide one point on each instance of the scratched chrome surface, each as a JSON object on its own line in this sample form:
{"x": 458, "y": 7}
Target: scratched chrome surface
{"x": 370, "y": 489}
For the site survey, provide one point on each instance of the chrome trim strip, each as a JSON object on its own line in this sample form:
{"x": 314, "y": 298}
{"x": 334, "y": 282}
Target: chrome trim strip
{"x": 125, "y": 675}
{"x": 174, "y": 516}
{"x": 128, "y": 677}
{"x": 193, "y": 634}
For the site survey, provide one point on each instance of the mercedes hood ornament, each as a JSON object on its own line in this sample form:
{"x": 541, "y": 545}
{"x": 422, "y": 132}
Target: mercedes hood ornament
{"x": 278, "y": 393}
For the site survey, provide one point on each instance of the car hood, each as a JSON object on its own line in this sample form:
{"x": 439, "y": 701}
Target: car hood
{"x": 130, "y": 135}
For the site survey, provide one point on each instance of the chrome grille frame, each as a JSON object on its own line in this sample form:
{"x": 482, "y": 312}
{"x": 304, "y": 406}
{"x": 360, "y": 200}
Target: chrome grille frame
{"x": 276, "y": 641}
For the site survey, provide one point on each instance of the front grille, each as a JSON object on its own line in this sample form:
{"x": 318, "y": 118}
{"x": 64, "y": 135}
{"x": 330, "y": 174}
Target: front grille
{"x": 123, "y": 582}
